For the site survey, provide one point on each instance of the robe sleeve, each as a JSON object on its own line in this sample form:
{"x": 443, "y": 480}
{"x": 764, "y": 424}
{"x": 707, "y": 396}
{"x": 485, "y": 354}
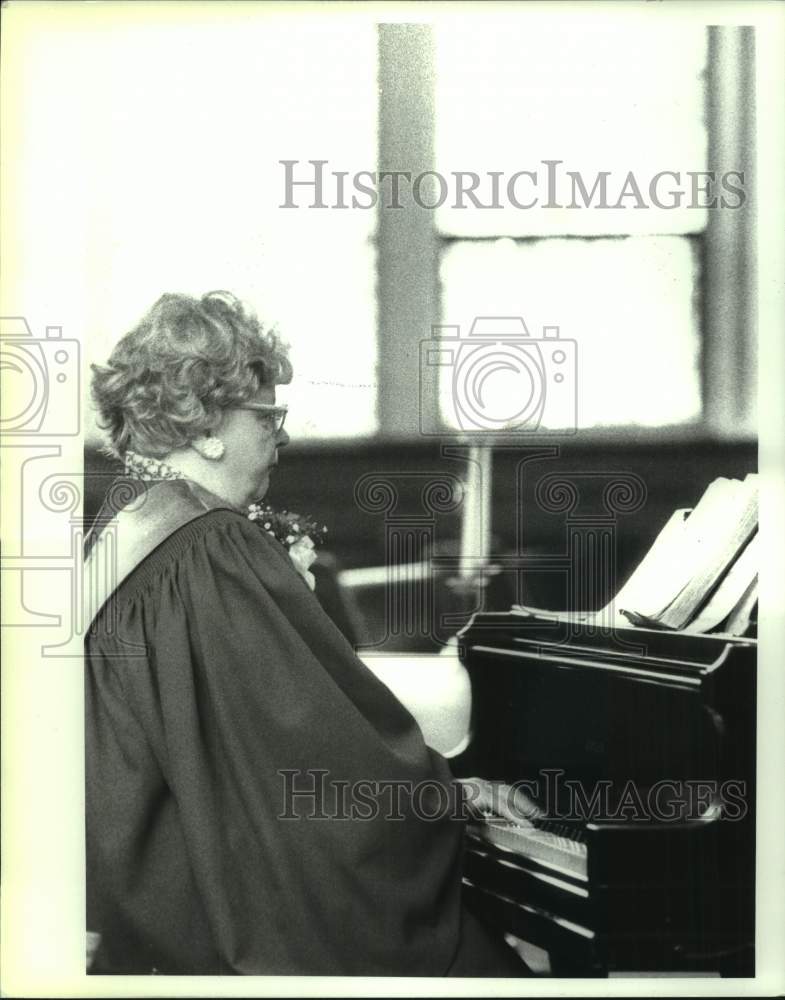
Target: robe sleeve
{"x": 293, "y": 793}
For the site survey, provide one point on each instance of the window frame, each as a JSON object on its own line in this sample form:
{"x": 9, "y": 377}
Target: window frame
{"x": 409, "y": 246}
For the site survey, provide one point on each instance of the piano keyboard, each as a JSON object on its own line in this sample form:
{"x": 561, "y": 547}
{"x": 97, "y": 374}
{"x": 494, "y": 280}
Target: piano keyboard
{"x": 564, "y": 854}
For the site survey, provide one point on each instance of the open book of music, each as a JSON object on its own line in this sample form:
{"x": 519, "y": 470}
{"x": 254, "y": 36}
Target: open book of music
{"x": 701, "y": 573}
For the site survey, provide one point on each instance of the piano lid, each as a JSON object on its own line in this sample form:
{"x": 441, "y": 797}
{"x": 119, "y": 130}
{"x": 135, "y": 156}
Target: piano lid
{"x": 621, "y": 711}
{"x": 571, "y": 636}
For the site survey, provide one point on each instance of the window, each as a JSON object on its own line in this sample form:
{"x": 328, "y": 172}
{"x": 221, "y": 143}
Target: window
{"x": 656, "y": 293}
{"x": 598, "y": 104}
{"x": 171, "y": 167}
{"x": 174, "y": 171}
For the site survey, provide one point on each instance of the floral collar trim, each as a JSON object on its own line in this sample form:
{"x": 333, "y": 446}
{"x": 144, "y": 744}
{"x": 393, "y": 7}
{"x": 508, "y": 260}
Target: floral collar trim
{"x": 149, "y": 469}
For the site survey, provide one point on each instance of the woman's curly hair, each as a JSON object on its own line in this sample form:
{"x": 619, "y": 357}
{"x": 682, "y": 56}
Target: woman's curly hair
{"x": 168, "y": 380}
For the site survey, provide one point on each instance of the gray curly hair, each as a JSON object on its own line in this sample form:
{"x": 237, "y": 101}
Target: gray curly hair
{"x": 169, "y": 379}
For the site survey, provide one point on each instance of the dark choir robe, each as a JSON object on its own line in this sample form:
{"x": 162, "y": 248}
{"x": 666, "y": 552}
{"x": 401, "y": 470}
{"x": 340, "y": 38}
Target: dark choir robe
{"x": 213, "y": 679}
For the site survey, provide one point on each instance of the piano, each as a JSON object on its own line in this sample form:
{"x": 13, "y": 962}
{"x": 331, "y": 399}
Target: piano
{"x": 637, "y": 746}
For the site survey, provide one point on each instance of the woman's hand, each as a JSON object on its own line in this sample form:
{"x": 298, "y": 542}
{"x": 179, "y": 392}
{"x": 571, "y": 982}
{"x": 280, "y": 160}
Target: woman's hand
{"x": 303, "y": 556}
{"x": 485, "y": 797}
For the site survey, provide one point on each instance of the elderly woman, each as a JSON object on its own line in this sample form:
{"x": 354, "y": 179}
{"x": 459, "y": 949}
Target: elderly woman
{"x": 258, "y": 802}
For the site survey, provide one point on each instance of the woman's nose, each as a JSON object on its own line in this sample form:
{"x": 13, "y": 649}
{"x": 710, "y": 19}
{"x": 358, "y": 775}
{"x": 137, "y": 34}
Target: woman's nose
{"x": 282, "y": 439}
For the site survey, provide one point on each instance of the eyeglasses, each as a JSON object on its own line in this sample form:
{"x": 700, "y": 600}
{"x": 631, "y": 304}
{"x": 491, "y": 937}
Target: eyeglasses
{"x": 276, "y": 413}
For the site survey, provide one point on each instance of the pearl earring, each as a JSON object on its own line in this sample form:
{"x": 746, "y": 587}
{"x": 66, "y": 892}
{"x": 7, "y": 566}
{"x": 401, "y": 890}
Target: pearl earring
{"x": 208, "y": 447}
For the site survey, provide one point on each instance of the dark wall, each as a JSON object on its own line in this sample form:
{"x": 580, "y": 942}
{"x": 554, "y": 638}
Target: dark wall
{"x": 366, "y": 491}
{"x": 527, "y": 517}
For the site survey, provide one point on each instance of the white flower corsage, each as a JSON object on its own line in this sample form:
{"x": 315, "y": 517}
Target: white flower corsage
{"x": 299, "y": 536}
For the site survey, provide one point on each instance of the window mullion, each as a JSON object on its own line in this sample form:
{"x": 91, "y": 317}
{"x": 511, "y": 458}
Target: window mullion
{"x": 407, "y": 291}
{"x": 729, "y": 317}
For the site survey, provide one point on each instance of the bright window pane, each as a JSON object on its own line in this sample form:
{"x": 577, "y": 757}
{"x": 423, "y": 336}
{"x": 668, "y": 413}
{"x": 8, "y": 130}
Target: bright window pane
{"x": 171, "y": 168}
{"x": 602, "y": 94}
{"x": 627, "y": 304}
